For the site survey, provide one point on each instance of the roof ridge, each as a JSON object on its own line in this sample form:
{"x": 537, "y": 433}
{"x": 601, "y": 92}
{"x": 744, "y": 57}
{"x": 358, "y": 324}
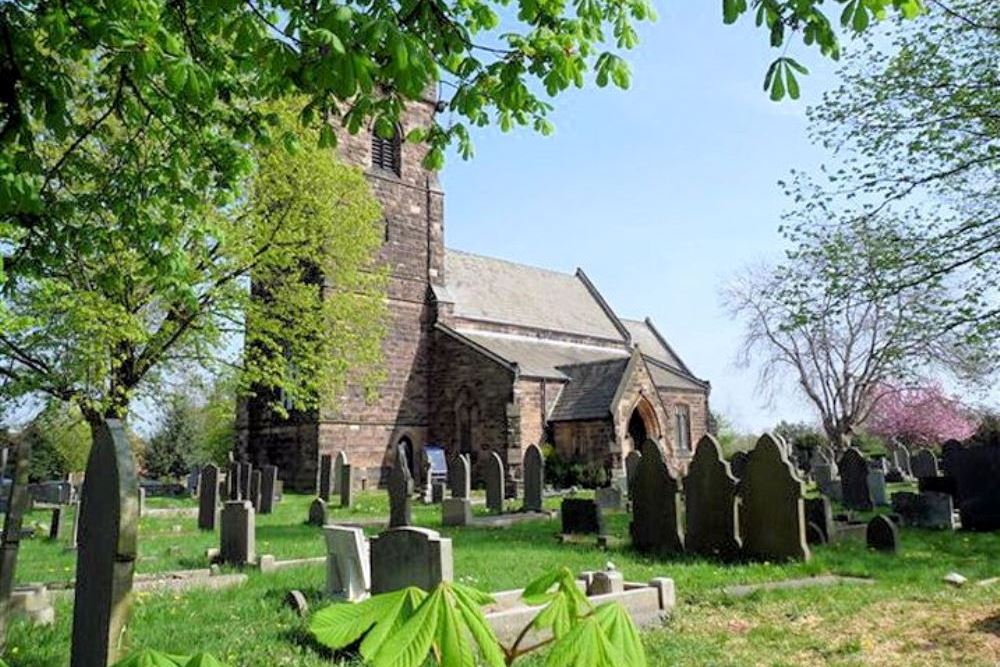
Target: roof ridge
{"x": 511, "y": 262}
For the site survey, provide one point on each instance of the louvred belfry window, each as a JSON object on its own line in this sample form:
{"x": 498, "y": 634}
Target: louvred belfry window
{"x": 387, "y": 153}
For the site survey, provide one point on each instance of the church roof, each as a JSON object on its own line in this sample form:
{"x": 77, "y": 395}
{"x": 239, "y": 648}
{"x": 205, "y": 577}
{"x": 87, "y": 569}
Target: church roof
{"x": 652, "y": 343}
{"x": 589, "y": 392}
{"x": 538, "y": 357}
{"x": 495, "y": 290}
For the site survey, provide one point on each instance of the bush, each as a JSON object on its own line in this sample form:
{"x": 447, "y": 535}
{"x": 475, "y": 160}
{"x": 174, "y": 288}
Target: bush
{"x": 564, "y": 473}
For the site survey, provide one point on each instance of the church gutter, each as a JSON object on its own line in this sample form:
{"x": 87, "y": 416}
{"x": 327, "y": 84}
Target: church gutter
{"x": 448, "y": 331}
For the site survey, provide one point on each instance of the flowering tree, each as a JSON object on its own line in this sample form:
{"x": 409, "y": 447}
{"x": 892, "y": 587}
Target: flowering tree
{"x": 921, "y": 416}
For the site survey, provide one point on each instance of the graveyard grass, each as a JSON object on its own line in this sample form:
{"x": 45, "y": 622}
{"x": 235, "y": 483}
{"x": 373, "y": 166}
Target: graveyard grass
{"x": 908, "y": 616}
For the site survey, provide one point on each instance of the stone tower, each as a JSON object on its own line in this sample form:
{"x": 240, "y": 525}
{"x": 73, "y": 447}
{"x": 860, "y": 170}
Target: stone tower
{"x": 413, "y": 250}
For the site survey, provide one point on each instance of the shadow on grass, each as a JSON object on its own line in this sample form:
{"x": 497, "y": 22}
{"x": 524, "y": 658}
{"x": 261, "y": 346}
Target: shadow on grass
{"x": 989, "y": 625}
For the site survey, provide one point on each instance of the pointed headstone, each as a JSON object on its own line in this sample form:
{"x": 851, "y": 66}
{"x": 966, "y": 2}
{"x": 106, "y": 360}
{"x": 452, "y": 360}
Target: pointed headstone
{"x": 857, "y": 494}
{"x": 268, "y": 482}
{"x": 494, "y": 483}
{"x": 772, "y": 514}
{"x": 208, "y": 497}
{"x": 400, "y": 490}
{"x": 106, "y": 553}
{"x": 534, "y": 478}
{"x": 656, "y": 506}
{"x": 711, "y": 507}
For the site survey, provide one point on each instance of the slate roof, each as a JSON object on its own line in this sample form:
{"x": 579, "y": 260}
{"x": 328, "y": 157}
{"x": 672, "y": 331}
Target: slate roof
{"x": 485, "y": 288}
{"x": 651, "y": 344}
{"x": 538, "y": 357}
{"x": 590, "y": 390}
{"x": 674, "y": 379}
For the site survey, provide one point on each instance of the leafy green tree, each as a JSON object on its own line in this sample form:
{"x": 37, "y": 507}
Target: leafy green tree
{"x": 217, "y": 421}
{"x": 914, "y": 138}
{"x": 172, "y": 449}
{"x": 60, "y": 441}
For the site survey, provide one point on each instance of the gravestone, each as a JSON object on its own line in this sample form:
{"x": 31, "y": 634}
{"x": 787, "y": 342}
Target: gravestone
{"x": 656, "y": 505}
{"x": 18, "y": 504}
{"x": 193, "y": 480}
{"x": 255, "y": 488}
{"x": 339, "y": 461}
{"x": 105, "y": 563}
{"x": 772, "y": 516}
{"x": 142, "y": 501}
{"x": 712, "y": 522}
{"x": 437, "y": 492}
{"x": 317, "y": 513}
{"x": 208, "y": 497}
{"x": 268, "y": 490}
{"x": 738, "y": 463}
{"x": 74, "y": 532}
{"x": 928, "y": 509}
{"x": 609, "y": 497}
{"x": 233, "y": 481}
{"x": 324, "y": 482}
{"x": 950, "y": 449}
{"x": 814, "y": 534}
{"x": 58, "y": 519}
{"x": 534, "y": 478}
{"x": 461, "y": 473}
{"x": 581, "y": 516}
{"x": 819, "y": 512}
{"x": 882, "y": 535}
{"x": 494, "y": 483}
{"x": 346, "y": 486}
{"x": 456, "y": 512}
{"x": 245, "y": 472}
{"x": 408, "y": 556}
{"x": 903, "y": 462}
{"x": 400, "y": 488}
{"x": 238, "y": 533}
{"x": 827, "y": 481}
{"x": 631, "y": 464}
{"x": 976, "y": 471}
{"x": 348, "y": 574}
{"x": 924, "y": 464}
{"x": 854, "y": 481}
{"x": 876, "y": 487}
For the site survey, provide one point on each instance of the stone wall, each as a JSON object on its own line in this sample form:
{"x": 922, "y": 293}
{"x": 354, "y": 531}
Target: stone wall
{"x": 589, "y": 440}
{"x": 697, "y": 403}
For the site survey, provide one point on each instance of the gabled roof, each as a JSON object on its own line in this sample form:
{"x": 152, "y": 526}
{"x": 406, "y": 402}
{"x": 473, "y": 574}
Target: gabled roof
{"x": 539, "y": 357}
{"x": 665, "y": 376}
{"x": 652, "y": 343}
{"x": 590, "y": 390}
{"x": 495, "y": 290}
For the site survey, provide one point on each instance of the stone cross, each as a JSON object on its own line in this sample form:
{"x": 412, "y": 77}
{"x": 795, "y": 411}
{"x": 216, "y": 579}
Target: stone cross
{"x": 407, "y": 556}
{"x": 208, "y": 497}
{"x": 656, "y": 505}
{"x": 534, "y": 478}
{"x": 400, "y": 490}
{"x": 106, "y": 553}
{"x": 857, "y": 494}
{"x": 238, "y": 533}
{"x": 268, "y": 484}
{"x": 631, "y": 465}
{"x": 772, "y": 518}
{"x": 494, "y": 483}
{"x": 711, "y": 506}
{"x": 348, "y": 569}
{"x": 339, "y": 461}
{"x": 18, "y": 503}
{"x": 324, "y": 482}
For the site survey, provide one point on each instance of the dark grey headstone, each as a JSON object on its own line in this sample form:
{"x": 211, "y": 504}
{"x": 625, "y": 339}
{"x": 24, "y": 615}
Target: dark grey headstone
{"x": 534, "y": 478}
{"x": 317, "y": 513}
{"x": 105, "y": 563}
{"x": 876, "y": 487}
{"x": 819, "y": 511}
{"x": 346, "y": 485}
{"x": 882, "y": 535}
{"x": 772, "y": 516}
{"x": 18, "y": 504}
{"x": 400, "y": 490}
{"x": 814, "y": 534}
{"x": 268, "y": 490}
{"x": 631, "y": 465}
{"x": 324, "y": 483}
{"x": 494, "y": 483}
{"x": 208, "y": 497}
{"x": 233, "y": 481}
{"x": 255, "y": 488}
{"x": 976, "y": 471}
{"x": 238, "y": 533}
{"x": 581, "y": 516}
{"x": 656, "y": 505}
{"x": 339, "y": 461}
{"x": 950, "y": 449}
{"x": 58, "y": 519}
{"x": 193, "y": 480}
{"x": 246, "y": 472}
{"x": 738, "y": 463}
{"x": 854, "y": 481}
{"x": 408, "y": 556}
{"x": 710, "y": 503}
{"x": 935, "y": 511}
{"x": 924, "y": 464}
{"x": 460, "y": 472}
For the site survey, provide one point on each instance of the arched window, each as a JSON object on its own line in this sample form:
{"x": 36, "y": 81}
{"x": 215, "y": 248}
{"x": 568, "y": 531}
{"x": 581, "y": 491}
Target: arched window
{"x": 387, "y": 153}
{"x": 682, "y": 422}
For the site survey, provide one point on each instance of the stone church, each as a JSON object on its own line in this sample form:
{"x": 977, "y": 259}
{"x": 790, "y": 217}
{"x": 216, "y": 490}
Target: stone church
{"x": 484, "y": 354}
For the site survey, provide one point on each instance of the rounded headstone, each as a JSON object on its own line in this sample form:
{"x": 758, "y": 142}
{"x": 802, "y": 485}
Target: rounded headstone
{"x": 882, "y": 535}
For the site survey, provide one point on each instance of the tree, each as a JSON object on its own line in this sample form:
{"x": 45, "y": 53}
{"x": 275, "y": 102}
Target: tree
{"x": 172, "y": 449}
{"x": 842, "y": 349}
{"x": 60, "y": 441}
{"x": 916, "y": 135}
{"x": 800, "y": 434}
{"x": 920, "y": 416}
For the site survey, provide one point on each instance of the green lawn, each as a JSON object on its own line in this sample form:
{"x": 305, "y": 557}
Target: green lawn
{"x": 909, "y": 617}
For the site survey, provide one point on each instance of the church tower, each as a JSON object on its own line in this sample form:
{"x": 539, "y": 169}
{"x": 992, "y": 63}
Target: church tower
{"x": 413, "y": 252}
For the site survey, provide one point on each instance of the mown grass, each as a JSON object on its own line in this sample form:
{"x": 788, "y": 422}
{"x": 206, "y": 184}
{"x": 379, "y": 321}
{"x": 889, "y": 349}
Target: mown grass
{"x": 907, "y": 617}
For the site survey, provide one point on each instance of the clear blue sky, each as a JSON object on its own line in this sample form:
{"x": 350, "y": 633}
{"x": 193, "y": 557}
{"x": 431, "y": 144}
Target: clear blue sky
{"x": 659, "y": 193}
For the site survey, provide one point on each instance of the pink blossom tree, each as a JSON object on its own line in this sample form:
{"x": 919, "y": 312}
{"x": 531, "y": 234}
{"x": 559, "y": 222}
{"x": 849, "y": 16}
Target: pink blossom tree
{"x": 920, "y": 416}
